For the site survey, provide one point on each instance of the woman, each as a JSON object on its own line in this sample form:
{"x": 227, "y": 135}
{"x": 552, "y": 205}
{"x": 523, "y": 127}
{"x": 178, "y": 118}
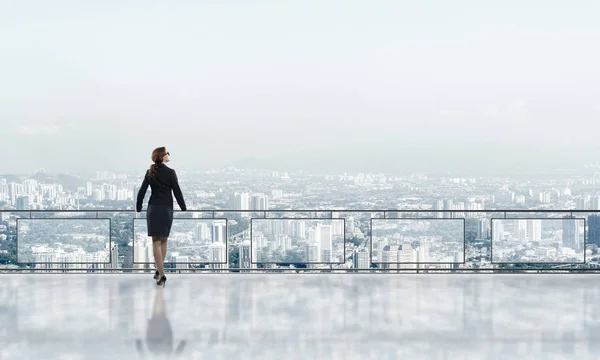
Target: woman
{"x": 159, "y": 214}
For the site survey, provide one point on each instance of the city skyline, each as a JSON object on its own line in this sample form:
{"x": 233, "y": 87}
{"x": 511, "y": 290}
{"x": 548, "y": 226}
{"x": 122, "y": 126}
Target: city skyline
{"x": 451, "y": 226}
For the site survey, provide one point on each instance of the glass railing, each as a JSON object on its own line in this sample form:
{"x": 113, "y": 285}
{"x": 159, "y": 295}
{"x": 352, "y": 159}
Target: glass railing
{"x": 332, "y": 241}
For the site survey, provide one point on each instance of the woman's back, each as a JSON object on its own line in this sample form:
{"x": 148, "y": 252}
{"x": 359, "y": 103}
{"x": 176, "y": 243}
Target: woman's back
{"x": 160, "y": 181}
{"x": 164, "y": 183}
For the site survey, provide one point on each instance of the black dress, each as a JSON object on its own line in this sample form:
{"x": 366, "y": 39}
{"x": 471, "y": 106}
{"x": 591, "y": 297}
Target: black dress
{"x": 159, "y": 219}
{"x": 159, "y": 214}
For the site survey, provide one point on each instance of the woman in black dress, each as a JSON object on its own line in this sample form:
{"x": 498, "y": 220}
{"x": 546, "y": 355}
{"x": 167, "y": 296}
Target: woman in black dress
{"x": 159, "y": 214}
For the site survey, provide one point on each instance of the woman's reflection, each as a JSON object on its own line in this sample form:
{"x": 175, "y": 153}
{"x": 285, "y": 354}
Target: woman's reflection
{"x": 159, "y": 336}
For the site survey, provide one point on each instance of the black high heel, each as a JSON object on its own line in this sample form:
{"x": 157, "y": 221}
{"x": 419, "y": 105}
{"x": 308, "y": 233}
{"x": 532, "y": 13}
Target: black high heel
{"x": 156, "y": 275}
{"x": 162, "y": 281}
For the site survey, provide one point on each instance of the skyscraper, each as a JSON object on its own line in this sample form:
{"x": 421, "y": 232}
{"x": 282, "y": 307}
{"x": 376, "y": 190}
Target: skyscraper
{"x": 581, "y": 203}
{"x": 23, "y": 202}
{"x": 338, "y": 227}
{"x": 201, "y": 232}
{"x": 389, "y": 258}
{"x": 497, "y": 229}
{"x": 326, "y": 240}
{"x": 448, "y": 206}
{"x": 218, "y": 255}
{"x": 438, "y": 205}
{"x": 114, "y": 256}
{"x": 312, "y": 253}
{"x": 241, "y": 201}
{"x": 483, "y": 230}
{"x": 534, "y": 229}
{"x": 298, "y": 229}
{"x": 595, "y": 203}
{"x": 259, "y": 202}
{"x": 406, "y": 256}
{"x": 594, "y": 230}
{"x": 520, "y": 231}
{"x": 360, "y": 259}
{"x": 246, "y": 257}
{"x": 571, "y": 233}
{"x": 314, "y": 236}
{"x": 142, "y": 252}
{"x": 219, "y": 233}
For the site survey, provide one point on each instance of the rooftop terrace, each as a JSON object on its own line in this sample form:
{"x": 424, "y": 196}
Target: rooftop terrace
{"x": 299, "y": 316}
{"x": 347, "y": 304}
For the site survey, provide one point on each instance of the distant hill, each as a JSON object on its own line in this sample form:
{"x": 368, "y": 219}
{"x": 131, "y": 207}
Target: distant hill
{"x": 464, "y": 160}
{"x": 257, "y": 163}
{"x": 11, "y": 178}
{"x": 69, "y": 182}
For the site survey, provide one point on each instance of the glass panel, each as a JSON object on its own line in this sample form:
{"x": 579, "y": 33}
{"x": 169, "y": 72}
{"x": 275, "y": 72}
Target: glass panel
{"x": 191, "y": 241}
{"x": 396, "y": 242}
{"x": 298, "y": 241}
{"x": 538, "y": 240}
{"x": 63, "y": 241}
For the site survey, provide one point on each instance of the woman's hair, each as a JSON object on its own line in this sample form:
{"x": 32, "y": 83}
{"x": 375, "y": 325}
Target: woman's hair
{"x": 157, "y": 158}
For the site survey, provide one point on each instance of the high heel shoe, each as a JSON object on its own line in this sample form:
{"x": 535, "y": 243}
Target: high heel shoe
{"x": 162, "y": 281}
{"x": 156, "y": 275}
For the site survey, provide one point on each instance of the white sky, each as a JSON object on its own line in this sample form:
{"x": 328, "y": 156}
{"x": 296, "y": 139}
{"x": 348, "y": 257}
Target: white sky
{"x": 98, "y": 84}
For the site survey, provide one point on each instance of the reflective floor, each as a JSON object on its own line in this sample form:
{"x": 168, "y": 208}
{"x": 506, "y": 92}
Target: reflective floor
{"x": 300, "y": 316}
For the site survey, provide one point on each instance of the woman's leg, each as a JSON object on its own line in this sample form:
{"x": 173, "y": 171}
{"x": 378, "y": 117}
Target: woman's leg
{"x": 158, "y": 257}
{"x": 163, "y": 247}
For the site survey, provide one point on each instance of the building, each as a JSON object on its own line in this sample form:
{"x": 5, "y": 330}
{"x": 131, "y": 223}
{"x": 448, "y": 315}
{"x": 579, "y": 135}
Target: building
{"x": 247, "y": 258}
{"x": 360, "y": 259}
{"x": 594, "y": 230}
{"x": 571, "y": 236}
{"x": 259, "y": 202}
{"x": 219, "y": 232}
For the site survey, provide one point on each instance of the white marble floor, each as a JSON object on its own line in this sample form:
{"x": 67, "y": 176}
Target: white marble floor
{"x": 300, "y": 316}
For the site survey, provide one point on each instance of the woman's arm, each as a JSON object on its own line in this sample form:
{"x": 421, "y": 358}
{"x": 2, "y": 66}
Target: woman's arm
{"x": 177, "y": 191}
{"x": 141, "y": 194}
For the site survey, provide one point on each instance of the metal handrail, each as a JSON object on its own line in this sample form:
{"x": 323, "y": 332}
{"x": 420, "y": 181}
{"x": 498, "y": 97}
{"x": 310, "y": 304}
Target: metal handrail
{"x": 329, "y": 270}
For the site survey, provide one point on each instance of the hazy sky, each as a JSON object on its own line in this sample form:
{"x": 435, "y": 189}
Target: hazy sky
{"x": 99, "y": 84}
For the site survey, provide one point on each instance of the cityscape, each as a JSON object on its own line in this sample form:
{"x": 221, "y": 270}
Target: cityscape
{"x": 364, "y": 180}
{"x": 294, "y": 220}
